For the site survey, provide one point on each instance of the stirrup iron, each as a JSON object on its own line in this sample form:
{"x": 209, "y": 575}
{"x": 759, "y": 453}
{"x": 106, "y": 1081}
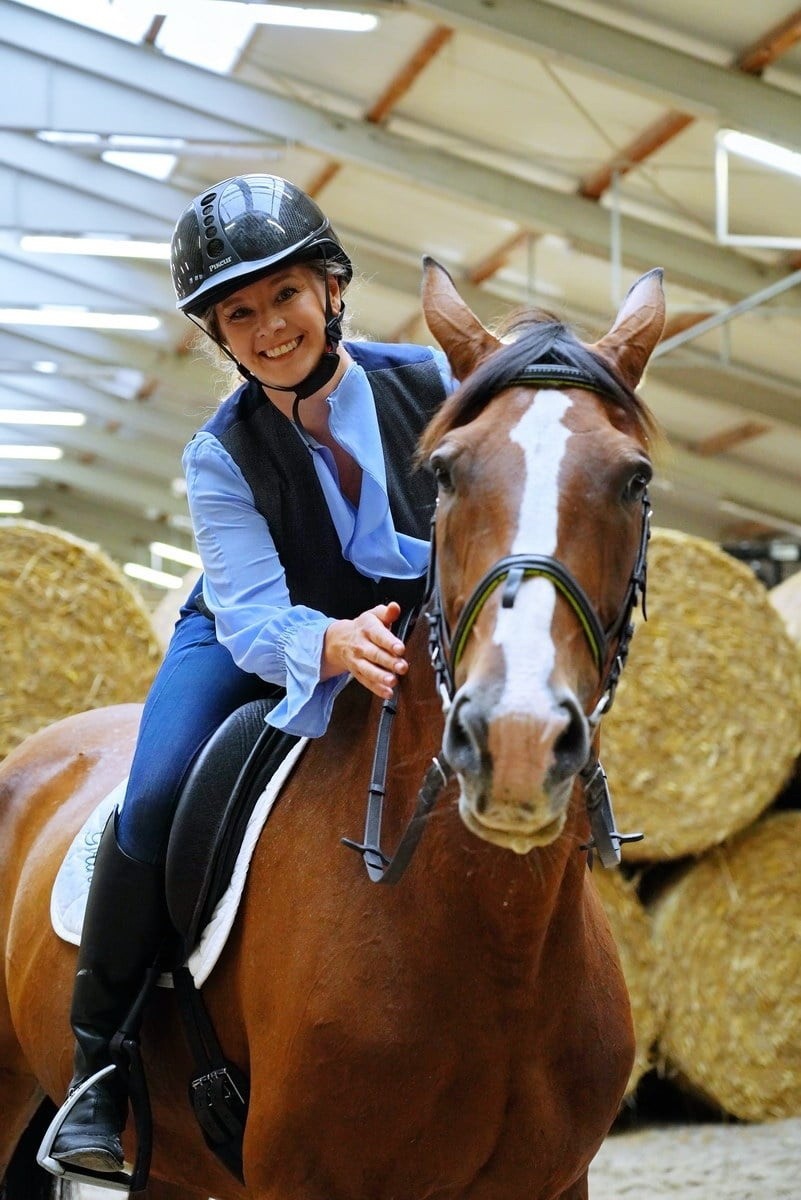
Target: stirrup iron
{"x": 119, "y": 1180}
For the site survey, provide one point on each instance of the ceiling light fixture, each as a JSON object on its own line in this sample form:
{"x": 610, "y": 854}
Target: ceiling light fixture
{"x": 768, "y": 154}
{"x": 40, "y": 416}
{"x": 187, "y": 558}
{"x": 32, "y": 452}
{"x": 340, "y": 20}
{"x": 94, "y": 246}
{"x": 160, "y": 578}
{"x": 11, "y": 508}
{"x": 78, "y": 318}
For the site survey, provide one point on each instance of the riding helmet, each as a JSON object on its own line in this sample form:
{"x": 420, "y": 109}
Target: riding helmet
{"x": 235, "y": 231}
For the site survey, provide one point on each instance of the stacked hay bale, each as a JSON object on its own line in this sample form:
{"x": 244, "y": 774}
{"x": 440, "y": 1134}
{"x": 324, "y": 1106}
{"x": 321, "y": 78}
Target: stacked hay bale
{"x": 728, "y": 936}
{"x": 705, "y": 731}
{"x": 74, "y": 634}
{"x": 707, "y": 722}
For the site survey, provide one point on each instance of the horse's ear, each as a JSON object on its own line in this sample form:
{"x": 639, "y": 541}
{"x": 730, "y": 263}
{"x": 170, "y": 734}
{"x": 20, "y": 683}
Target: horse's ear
{"x": 455, "y": 326}
{"x": 638, "y": 327}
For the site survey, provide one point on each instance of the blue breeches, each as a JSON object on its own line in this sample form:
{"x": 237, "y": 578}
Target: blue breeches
{"x": 198, "y": 685}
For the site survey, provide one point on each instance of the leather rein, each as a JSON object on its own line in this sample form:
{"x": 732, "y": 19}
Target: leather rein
{"x": 609, "y": 648}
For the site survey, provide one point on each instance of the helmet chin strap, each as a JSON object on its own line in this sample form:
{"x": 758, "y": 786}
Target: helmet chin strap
{"x": 318, "y": 377}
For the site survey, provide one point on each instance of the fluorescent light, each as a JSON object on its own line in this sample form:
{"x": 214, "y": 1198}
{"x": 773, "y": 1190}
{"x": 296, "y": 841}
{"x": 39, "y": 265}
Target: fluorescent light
{"x": 187, "y": 557}
{"x": 40, "y": 416}
{"x": 312, "y": 18}
{"x": 11, "y": 507}
{"x": 148, "y": 575}
{"x": 95, "y": 246}
{"x": 77, "y": 318}
{"x": 768, "y": 154}
{"x": 44, "y": 366}
{"x": 31, "y": 452}
{"x": 67, "y": 137}
{"x": 223, "y": 11}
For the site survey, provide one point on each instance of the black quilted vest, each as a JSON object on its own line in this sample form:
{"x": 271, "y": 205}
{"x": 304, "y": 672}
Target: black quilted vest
{"x": 278, "y": 468}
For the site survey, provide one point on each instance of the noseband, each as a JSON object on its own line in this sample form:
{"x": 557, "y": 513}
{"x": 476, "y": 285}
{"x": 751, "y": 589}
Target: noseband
{"x": 609, "y": 648}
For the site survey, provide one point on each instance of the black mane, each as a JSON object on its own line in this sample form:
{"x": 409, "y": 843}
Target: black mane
{"x": 547, "y": 342}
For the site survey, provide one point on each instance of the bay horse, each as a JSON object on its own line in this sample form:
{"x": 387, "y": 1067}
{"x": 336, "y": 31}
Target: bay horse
{"x": 465, "y": 1035}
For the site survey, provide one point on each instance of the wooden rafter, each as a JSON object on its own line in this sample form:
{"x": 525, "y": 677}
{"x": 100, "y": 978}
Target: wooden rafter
{"x": 727, "y": 439}
{"x": 658, "y": 134}
{"x": 753, "y": 61}
{"x": 498, "y": 258}
{"x": 391, "y": 96}
{"x": 683, "y": 321}
{"x": 400, "y": 84}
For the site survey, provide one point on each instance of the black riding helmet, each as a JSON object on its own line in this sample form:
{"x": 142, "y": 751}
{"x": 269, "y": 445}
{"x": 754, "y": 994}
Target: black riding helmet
{"x": 238, "y": 230}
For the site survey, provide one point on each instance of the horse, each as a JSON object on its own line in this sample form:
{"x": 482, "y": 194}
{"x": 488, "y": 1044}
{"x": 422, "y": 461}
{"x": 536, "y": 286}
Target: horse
{"x": 465, "y": 1034}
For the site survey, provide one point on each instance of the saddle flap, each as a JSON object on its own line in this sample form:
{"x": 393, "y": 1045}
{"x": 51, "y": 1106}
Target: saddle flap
{"x": 213, "y": 810}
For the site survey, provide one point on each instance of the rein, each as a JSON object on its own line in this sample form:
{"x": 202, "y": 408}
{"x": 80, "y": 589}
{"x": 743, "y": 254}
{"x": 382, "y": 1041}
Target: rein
{"x": 445, "y": 651}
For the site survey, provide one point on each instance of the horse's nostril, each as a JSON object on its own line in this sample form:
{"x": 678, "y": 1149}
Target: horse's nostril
{"x": 572, "y": 746}
{"x": 465, "y": 734}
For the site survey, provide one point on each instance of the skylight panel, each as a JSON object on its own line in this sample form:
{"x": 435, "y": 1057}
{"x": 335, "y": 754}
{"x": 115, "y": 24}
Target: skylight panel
{"x": 127, "y": 21}
{"x": 205, "y": 35}
{"x": 155, "y": 166}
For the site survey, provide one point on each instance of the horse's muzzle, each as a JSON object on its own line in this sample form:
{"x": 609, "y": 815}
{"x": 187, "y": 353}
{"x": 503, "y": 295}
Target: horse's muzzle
{"x": 516, "y": 768}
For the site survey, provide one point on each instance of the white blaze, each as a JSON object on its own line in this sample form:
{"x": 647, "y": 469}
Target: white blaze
{"x": 524, "y": 631}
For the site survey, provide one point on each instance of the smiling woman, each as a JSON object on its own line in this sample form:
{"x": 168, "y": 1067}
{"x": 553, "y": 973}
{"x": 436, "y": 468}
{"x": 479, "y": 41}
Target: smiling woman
{"x": 313, "y": 534}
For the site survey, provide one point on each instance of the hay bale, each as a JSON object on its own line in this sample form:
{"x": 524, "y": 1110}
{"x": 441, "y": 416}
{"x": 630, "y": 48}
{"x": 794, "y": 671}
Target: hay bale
{"x": 631, "y": 929}
{"x": 707, "y": 722}
{"x": 74, "y": 634}
{"x": 727, "y": 933}
{"x": 786, "y": 599}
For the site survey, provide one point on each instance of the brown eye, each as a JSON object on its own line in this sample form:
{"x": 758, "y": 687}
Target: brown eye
{"x": 442, "y": 473}
{"x": 636, "y": 486}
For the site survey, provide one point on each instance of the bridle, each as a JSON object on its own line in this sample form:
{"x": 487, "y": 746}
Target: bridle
{"x": 609, "y": 648}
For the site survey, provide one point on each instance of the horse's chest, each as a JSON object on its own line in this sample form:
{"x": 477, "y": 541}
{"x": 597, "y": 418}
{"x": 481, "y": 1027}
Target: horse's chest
{"x": 465, "y": 1096}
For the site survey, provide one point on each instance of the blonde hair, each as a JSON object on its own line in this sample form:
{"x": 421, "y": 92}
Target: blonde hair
{"x": 210, "y": 343}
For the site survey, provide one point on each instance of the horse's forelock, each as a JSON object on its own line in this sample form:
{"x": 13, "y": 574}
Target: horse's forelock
{"x": 548, "y": 342}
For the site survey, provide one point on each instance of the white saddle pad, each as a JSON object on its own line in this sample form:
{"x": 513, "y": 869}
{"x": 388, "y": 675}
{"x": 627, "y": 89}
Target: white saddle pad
{"x": 71, "y": 887}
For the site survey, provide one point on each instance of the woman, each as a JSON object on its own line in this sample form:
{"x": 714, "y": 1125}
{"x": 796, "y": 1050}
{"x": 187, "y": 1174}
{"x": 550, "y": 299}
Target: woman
{"x": 312, "y": 528}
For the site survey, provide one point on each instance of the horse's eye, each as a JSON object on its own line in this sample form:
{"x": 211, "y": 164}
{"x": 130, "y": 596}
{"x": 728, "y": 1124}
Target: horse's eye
{"x": 635, "y": 488}
{"x": 442, "y": 472}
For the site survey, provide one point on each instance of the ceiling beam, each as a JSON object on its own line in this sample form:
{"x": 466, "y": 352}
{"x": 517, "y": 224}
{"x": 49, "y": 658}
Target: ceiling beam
{"x": 130, "y": 492}
{"x": 36, "y": 390}
{"x": 671, "y": 76}
{"x": 753, "y": 61}
{"x": 693, "y": 261}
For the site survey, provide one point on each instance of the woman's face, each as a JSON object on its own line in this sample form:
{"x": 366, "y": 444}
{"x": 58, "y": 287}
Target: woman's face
{"x": 276, "y": 326}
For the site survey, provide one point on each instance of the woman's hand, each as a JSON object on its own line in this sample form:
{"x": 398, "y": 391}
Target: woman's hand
{"x": 367, "y": 648}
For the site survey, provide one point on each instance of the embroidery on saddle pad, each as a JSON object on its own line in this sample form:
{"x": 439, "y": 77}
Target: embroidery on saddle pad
{"x": 71, "y": 886}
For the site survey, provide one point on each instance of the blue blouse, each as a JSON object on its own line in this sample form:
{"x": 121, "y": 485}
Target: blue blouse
{"x": 244, "y": 583}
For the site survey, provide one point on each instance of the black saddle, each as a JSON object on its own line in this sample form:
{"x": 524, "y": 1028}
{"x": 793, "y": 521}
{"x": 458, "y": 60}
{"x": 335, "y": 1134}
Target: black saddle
{"x": 214, "y": 808}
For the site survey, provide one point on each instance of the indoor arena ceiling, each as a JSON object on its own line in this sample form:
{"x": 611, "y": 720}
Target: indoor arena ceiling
{"x": 545, "y": 153}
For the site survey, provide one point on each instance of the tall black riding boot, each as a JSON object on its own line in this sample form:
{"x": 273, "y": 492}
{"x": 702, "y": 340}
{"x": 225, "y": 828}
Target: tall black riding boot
{"x": 124, "y": 926}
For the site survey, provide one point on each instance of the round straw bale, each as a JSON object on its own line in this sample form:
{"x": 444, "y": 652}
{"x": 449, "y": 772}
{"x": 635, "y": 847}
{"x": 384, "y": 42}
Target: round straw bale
{"x": 631, "y": 929}
{"x": 786, "y": 599}
{"x": 727, "y": 932}
{"x": 74, "y": 634}
{"x": 707, "y": 722}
